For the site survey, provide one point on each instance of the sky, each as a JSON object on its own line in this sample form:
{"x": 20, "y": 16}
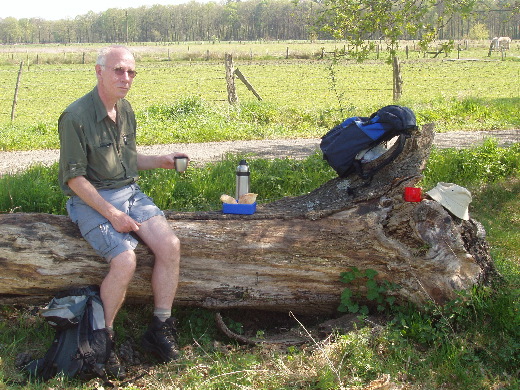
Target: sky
{"x": 69, "y": 9}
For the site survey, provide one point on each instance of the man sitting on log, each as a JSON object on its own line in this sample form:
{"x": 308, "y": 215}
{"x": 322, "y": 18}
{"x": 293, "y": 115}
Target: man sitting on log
{"x": 98, "y": 170}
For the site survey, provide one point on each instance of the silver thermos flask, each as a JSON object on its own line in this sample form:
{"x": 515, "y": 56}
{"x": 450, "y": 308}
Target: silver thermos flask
{"x": 242, "y": 174}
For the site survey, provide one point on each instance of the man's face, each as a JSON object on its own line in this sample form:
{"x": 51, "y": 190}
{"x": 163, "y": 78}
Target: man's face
{"x": 115, "y": 78}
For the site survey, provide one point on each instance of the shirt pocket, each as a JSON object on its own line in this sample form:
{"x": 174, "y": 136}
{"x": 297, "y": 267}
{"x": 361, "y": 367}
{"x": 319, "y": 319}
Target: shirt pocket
{"x": 106, "y": 161}
{"x": 129, "y": 140}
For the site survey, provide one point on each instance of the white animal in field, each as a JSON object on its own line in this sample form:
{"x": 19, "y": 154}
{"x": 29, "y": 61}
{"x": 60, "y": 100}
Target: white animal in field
{"x": 499, "y": 43}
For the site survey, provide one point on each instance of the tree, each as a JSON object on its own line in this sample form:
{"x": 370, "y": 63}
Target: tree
{"x": 28, "y": 30}
{"x": 10, "y": 30}
{"x": 478, "y": 31}
{"x": 363, "y": 22}
{"x": 288, "y": 256}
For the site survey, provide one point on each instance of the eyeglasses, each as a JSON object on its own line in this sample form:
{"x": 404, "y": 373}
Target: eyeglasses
{"x": 121, "y": 72}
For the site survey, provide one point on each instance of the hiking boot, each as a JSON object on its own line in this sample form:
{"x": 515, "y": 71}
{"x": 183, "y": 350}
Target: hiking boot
{"x": 161, "y": 339}
{"x": 113, "y": 367}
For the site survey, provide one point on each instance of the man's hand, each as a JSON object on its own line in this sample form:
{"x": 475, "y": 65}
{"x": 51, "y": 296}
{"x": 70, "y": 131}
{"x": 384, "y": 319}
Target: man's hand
{"x": 165, "y": 161}
{"x": 123, "y": 223}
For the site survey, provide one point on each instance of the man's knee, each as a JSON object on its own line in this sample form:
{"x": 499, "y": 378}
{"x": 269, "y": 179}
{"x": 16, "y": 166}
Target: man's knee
{"x": 175, "y": 242}
{"x": 171, "y": 245}
{"x": 124, "y": 264}
{"x": 168, "y": 242}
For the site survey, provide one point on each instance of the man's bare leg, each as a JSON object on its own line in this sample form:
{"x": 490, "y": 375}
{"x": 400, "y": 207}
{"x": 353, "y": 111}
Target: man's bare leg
{"x": 115, "y": 284}
{"x": 160, "y": 338}
{"x": 160, "y": 238}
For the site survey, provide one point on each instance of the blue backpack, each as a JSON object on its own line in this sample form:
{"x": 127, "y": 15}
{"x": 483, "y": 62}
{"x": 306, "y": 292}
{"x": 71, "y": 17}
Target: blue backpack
{"x": 345, "y": 146}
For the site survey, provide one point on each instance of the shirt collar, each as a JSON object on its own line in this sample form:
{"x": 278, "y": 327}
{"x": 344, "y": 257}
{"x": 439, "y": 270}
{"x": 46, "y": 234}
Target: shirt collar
{"x": 101, "y": 111}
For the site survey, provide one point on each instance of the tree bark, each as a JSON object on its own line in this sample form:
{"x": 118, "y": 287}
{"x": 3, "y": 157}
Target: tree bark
{"x": 286, "y": 256}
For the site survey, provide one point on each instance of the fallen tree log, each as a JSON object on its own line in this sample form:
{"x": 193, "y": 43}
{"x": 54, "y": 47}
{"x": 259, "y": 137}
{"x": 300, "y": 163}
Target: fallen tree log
{"x": 286, "y": 256}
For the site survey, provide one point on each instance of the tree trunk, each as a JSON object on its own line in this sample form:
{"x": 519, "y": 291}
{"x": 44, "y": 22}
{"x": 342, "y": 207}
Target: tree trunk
{"x": 286, "y": 256}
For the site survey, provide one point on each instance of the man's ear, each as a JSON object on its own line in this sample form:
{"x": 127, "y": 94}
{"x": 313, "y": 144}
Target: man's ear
{"x": 98, "y": 70}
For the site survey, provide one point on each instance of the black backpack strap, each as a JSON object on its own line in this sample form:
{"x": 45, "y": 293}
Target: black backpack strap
{"x": 85, "y": 351}
{"x": 401, "y": 141}
{"x": 44, "y": 367}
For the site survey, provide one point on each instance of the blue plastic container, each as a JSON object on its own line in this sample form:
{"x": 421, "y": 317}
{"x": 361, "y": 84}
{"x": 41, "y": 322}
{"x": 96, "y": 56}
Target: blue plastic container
{"x": 235, "y": 208}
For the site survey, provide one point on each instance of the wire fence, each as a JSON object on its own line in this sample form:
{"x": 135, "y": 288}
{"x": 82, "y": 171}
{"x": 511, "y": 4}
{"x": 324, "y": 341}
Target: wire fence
{"x": 46, "y": 88}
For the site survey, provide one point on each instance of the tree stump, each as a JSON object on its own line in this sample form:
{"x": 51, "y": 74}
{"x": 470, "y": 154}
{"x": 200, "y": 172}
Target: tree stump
{"x": 286, "y": 256}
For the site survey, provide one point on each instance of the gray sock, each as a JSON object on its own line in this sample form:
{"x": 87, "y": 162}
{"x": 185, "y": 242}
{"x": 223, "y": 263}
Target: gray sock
{"x": 162, "y": 314}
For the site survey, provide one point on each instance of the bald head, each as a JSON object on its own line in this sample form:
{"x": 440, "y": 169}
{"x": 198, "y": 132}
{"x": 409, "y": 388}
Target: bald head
{"x": 107, "y": 51}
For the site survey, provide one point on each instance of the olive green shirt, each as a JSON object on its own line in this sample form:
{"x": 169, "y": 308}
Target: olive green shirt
{"x": 92, "y": 145}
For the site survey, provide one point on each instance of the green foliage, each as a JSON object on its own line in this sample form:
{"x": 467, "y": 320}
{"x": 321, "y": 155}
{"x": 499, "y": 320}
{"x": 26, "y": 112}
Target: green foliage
{"x": 198, "y": 189}
{"x": 390, "y": 21}
{"x": 196, "y": 324}
{"x": 469, "y": 343}
{"x": 376, "y": 292}
{"x": 472, "y": 167}
{"x": 34, "y": 190}
{"x": 180, "y": 109}
{"x": 477, "y": 315}
{"x": 194, "y": 120}
{"x": 301, "y": 99}
{"x": 496, "y": 207}
{"x": 20, "y": 330}
{"x": 478, "y": 31}
{"x": 465, "y": 113}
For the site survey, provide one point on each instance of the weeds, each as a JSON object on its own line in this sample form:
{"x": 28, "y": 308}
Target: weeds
{"x": 377, "y": 292}
{"x": 472, "y": 167}
{"x": 469, "y": 343}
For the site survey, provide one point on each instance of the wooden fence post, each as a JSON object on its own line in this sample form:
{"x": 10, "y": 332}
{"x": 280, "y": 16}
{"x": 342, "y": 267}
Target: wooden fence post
{"x": 398, "y": 80}
{"x": 247, "y": 83}
{"x": 16, "y": 91}
{"x": 490, "y": 49}
{"x": 230, "y": 80}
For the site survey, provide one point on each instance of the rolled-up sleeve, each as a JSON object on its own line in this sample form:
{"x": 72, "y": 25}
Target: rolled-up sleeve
{"x": 73, "y": 152}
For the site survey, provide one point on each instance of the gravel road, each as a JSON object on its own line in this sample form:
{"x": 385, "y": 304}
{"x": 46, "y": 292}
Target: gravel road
{"x": 11, "y": 162}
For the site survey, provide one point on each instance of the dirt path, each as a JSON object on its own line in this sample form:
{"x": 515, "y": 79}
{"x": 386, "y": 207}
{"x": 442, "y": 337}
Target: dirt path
{"x": 11, "y": 162}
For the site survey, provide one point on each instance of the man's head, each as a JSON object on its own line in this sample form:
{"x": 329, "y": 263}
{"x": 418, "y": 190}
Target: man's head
{"x": 115, "y": 71}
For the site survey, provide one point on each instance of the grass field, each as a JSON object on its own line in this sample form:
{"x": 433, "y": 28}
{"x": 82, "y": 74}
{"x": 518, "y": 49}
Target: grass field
{"x": 471, "y": 343}
{"x": 302, "y": 97}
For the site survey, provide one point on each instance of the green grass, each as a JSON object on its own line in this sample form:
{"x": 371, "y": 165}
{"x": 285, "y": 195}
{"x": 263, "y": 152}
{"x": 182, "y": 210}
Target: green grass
{"x": 186, "y": 101}
{"x": 198, "y": 189}
{"x": 472, "y": 167}
{"x": 472, "y": 342}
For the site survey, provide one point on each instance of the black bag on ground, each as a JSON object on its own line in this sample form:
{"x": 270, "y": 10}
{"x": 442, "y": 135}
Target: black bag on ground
{"x": 81, "y": 345}
{"x": 347, "y": 144}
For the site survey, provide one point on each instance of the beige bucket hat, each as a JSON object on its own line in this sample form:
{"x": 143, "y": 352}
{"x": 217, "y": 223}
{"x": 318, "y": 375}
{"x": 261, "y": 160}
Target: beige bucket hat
{"x": 453, "y": 198}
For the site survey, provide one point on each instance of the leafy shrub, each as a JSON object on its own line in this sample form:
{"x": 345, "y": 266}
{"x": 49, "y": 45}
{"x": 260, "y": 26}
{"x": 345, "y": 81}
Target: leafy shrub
{"x": 472, "y": 167}
{"x": 35, "y": 190}
{"x": 377, "y": 292}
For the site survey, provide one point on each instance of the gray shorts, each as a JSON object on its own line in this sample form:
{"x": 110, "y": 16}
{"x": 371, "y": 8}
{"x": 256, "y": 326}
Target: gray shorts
{"x": 99, "y": 232}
